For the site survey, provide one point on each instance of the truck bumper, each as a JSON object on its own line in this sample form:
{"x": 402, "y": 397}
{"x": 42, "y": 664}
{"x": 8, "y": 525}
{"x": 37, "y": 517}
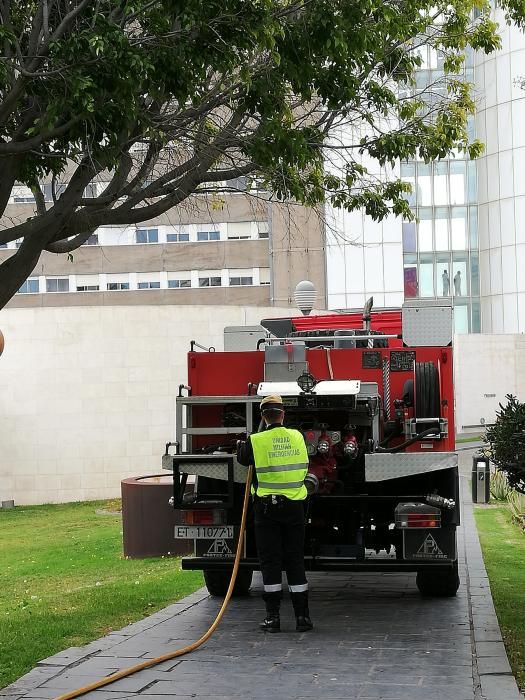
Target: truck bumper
{"x": 311, "y": 564}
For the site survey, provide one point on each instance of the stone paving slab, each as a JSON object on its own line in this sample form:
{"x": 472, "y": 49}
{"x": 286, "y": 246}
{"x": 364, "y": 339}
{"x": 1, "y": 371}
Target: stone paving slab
{"x": 375, "y": 638}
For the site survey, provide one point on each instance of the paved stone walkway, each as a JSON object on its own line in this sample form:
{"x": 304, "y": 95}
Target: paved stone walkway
{"x": 375, "y": 638}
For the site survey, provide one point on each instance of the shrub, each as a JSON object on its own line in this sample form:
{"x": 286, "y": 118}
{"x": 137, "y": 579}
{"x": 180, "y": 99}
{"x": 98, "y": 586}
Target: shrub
{"x": 506, "y": 441}
{"x": 499, "y": 486}
{"x": 517, "y": 506}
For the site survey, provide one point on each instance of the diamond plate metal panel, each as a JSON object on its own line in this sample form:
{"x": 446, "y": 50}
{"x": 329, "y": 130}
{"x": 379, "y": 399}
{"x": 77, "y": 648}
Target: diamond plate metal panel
{"x": 427, "y": 325}
{"x": 167, "y": 462}
{"x": 213, "y": 470}
{"x": 381, "y": 467}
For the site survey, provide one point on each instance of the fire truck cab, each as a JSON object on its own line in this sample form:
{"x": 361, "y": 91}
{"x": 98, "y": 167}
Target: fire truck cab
{"x": 372, "y": 394}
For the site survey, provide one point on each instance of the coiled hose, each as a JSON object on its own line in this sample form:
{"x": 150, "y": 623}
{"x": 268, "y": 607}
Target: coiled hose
{"x": 191, "y": 647}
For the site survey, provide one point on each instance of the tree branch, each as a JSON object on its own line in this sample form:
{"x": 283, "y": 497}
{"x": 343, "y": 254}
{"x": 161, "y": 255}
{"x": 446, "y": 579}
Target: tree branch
{"x": 66, "y": 246}
{"x": 20, "y": 147}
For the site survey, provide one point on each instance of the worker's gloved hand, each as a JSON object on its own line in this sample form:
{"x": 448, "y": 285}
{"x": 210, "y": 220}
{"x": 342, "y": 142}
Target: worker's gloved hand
{"x": 243, "y": 453}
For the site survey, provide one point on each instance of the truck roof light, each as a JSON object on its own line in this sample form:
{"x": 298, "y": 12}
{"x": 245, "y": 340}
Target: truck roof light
{"x": 306, "y": 382}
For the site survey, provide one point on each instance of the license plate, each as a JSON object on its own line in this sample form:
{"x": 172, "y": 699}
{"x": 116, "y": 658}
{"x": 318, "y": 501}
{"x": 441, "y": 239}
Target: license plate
{"x": 203, "y": 532}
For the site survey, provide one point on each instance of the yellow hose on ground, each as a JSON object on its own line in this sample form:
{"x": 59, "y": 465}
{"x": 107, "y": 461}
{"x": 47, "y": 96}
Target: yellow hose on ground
{"x": 191, "y": 647}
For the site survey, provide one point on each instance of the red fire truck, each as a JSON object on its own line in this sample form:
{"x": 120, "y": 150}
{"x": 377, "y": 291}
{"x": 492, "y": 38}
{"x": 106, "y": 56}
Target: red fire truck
{"x": 372, "y": 394}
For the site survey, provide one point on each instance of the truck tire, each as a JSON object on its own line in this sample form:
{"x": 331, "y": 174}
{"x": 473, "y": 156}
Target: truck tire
{"x": 217, "y": 582}
{"x": 439, "y": 584}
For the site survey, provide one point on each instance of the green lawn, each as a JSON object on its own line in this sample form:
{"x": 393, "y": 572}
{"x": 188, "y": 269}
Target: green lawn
{"x": 503, "y": 545}
{"x": 64, "y": 582}
{"x": 469, "y": 438}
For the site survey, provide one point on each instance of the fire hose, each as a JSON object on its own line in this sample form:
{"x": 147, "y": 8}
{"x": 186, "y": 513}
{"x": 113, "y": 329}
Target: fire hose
{"x": 191, "y": 647}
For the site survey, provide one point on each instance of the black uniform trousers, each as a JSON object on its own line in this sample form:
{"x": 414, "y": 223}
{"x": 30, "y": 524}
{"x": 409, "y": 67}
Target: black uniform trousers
{"x": 279, "y": 535}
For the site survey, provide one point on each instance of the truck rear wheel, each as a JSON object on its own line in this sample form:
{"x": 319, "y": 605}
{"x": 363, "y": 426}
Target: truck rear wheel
{"x": 442, "y": 584}
{"x": 217, "y": 582}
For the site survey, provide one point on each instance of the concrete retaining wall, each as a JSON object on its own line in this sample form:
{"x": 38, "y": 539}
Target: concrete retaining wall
{"x": 87, "y": 394}
{"x": 486, "y": 368}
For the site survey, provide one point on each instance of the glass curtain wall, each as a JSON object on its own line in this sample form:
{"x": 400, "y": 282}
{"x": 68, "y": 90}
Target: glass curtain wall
{"x": 440, "y": 248}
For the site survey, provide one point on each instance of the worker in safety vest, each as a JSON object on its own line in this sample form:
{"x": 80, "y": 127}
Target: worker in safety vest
{"x": 280, "y": 459}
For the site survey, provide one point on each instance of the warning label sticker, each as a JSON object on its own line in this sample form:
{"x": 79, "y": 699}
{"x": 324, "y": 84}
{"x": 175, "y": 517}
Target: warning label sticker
{"x": 429, "y": 548}
{"x": 219, "y": 548}
{"x": 437, "y": 544}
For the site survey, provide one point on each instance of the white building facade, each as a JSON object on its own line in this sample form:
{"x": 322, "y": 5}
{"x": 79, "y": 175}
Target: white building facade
{"x": 468, "y": 242}
{"x": 500, "y": 124}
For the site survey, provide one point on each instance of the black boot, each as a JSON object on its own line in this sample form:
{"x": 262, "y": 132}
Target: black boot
{"x": 302, "y": 614}
{"x": 272, "y": 621}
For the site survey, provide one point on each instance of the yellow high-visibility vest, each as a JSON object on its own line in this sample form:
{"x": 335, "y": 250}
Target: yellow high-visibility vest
{"x": 281, "y": 463}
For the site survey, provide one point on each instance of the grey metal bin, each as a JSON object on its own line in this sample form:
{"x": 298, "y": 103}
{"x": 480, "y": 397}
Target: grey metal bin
{"x": 480, "y": 478}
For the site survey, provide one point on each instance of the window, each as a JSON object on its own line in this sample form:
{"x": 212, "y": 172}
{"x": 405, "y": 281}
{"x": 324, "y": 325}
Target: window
{"x": 440, "y": 183}
{"x": 148, "y": 285}
{"x": 147, "y": 235}
{"x": 239, "y": 183}
{"x": 264, "y": 275}
{"x": 423, "y": 79}
{"x": 208, "y": 235}
{"x": 472, "y": 182}
{"x": 424, "y": 185}
{"x": 241, "y": 281}
{"x": 239, "y": 230}
{"x": 179, "y": 284}
{"x": 263, "y": 229}
{"x": 426, "y": 276}
{"x": 47, "y": 190}
{"x": 30, "y": 286}
{"x": 460, "y": 318}
{"x": 409, "y": 236}
{"x": 410, "y": 278}
{"x": 408, "y": 174}
{"x": 474, "y": 274}
{"x": 459, "y": 283}
{"x": 473, "y": 227}
{"x": 177, "y": 237}
{"x": 471, "y": 128}
{"x": 90, "y": 192}
{"x": 476, "y": 317}
{"x": 22, "y": 194}
{"x": 424, "y": 230}
{"x": 459, "y": 228}
{"x": 441, "y": 229}
{"x": 116, "y": 282}
{"x": 92, "y": 240}
{"x": 458, "y": 181}
{"x": 210, "y": 281}
{"x": 148, "y": 280}
{"x": 87, "y": 283}
{"x": 422, "y": 53}
{"x": 57, "y": 284}
{"x": 115, "y": 235}
{"x": 443, "y": 281}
